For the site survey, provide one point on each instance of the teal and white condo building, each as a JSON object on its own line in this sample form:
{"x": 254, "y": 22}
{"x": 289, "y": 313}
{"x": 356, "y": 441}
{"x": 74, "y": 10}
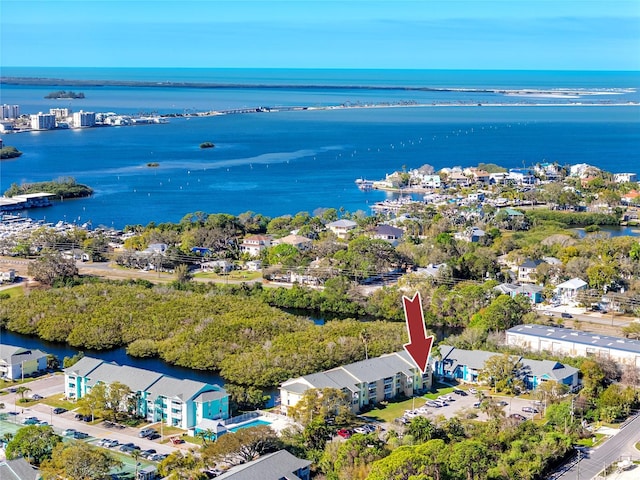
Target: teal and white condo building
{"x": 176, "y": 402}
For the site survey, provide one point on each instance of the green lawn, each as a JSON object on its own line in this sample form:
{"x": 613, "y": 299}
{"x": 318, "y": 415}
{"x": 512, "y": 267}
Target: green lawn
{"x": 236, "y": 275}
{"x": 58, "y": 401}
{"x": 393, "y": 410}
{"x": 14, "y": 292}
{"x": 588, "y": 442}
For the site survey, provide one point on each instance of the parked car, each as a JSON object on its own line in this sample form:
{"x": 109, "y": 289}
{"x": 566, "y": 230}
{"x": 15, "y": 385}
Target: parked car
{"x": 69, "y": 432}
{"x": 344, "y": 433}
{"x": 145, "y": 432}
{"x": 517, "y": 416}
{"x": 473, "y": 391}
{"x": 80, "y": 435}
{"x": 35, "y": 396}
{"x": 502, "y": 403}
{"x": 158, "y": 457}
{"x": 148, "y": 453}
{"x": 548, "y": 313}
{"x": 462, "y": 393}
{"x": 529, "y": 409}
{"x": 111, "y": 443}
{"x": 31, "y": 421}
{"x": 153, "y": 436}
{"x": 566, "y": 315}
{"x": 476, "y": 405}
{"x": 59, "y": 410}
{"x": 78, "y": 416}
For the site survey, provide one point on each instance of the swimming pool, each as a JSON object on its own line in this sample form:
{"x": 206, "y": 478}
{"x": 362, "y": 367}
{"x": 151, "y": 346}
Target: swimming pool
{"x": 253, "y": 423}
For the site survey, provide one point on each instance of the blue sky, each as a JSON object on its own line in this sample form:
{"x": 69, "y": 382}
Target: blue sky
{"x": 422, "y": 34}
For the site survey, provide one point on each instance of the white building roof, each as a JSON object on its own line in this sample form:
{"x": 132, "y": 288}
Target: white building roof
{"x": 572, "y": 284}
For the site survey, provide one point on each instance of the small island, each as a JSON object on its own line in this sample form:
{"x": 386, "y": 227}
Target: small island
{"x": 9, "y": 152}
{"x": 61, "y": 188}
{"x": 207, "y": 145}
{"x": 63, "y": 94}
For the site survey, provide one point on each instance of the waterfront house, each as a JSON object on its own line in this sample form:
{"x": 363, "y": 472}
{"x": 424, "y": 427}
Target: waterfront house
{"x": 18, "y": 362}
{"x": 253, "y": 265}
{"x": 254, "y": 245}
{"x": 564, "y": 341}
{"x": 568, "y": 291}
{"x": 341, "y": 228}
{"x": 458, "y": 179}
{"x": 176, "y": 402}
{"x": 366, "y": 382}
{"x": 522, "y": 176}
{"x": 279, "y": 465}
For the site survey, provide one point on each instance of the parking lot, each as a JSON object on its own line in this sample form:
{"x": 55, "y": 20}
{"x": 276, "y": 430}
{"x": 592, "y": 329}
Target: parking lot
{"x": 54, "y": 385}
{"x": 467, "y": 405}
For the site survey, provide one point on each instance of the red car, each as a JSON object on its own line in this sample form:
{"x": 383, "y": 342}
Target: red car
{"x": 344, "y": 433}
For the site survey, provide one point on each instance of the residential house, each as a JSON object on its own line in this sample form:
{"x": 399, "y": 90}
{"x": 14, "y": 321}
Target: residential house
{"x": 297, "y": 241}
{"x": 279, "y": 465}
{"x": 522, "y": 176}
{"x": 471, "y": 234}
{"x": 568, "y": 291}
{"x": 253, "y": 265}
{"x": 219, "y": 266}
{"x": 564, "y": 341}
{"x": 431, "y": 270}
{"x": 366, "y": 382}
{"x": 532, "y": 292}
{"x": 341, "y": 228}
{"x": 176, "y": 402}
{"x": 431, "y": 181}
{"x": 527, "y": 270}
{"x": 18, "y": 469}
{"x": 467, "y": 365}
{"x": 480, "y": 176}
{"x": 18, "y": 362}
{"x": 255, "y": 244}
{"x": 388, "y": 233}
{"x": 625, "y": 177}
{"x": 458, "y": 179}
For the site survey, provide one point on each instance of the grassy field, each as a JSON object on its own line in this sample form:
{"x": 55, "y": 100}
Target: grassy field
{"x": 588, "y": 442}
{"x": 393, "y": 410}
{"x": 236, "y": 275}
{"x": 14, "y": 292}
{"x": 59, "y": 401}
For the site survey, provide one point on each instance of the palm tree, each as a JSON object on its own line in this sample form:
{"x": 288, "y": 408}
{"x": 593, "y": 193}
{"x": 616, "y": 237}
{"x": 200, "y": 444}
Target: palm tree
{"x": 21, "y": 390}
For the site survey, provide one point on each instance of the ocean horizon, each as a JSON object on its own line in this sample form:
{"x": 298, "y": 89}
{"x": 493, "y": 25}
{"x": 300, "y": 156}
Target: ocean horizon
{"x": 288, "y": 161}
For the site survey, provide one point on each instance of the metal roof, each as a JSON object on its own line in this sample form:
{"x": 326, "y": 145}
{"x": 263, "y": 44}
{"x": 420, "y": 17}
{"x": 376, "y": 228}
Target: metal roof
{"x": 575, "y": 336}
{"x": 275, "y": 466}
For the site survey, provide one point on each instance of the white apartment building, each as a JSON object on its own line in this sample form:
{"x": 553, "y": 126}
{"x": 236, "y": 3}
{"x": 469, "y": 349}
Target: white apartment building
{"x": 61, "y": 113}
{"x": 564, "y": 341}
{"x": 84, "y": 119}
{"x": 10, "y": 111}
{"x": 43, "y": 121}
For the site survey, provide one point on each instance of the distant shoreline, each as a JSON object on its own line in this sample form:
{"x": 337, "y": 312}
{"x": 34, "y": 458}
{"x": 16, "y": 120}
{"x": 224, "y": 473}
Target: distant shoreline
{"x": 553, "y": 92}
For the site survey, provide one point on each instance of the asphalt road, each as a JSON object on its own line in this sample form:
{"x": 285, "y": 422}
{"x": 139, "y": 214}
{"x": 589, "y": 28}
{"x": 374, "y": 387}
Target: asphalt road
{"x": 619, "y": 446}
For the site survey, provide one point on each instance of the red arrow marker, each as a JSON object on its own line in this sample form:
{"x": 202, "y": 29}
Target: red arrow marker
{"x": 419, "y": 345}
